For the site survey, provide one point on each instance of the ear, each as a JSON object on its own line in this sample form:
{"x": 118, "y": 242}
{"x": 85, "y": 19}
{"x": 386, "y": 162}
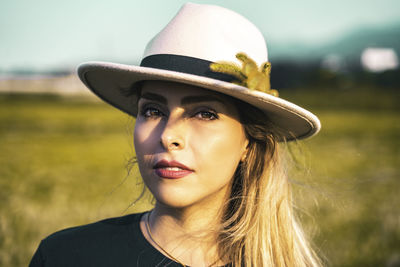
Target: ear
{"x": 244, "y": 156}
{"x": 245, "y": 150}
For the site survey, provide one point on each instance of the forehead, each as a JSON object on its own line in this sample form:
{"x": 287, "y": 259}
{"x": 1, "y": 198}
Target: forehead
{"x": 187, "y": 94}
{"x": 178, "y": 89}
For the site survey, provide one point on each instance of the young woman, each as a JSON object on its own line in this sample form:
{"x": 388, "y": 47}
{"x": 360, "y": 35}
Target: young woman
{"x": 208, "y": 139}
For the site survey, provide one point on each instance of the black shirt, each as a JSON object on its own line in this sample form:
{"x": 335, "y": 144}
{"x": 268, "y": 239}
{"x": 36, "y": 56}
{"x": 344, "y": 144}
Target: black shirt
{"x": 111, "y": 242}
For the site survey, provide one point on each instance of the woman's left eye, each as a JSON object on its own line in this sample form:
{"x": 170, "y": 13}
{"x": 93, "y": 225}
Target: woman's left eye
{"x": 151, "y": 112}
{"x": 206, "y": 115}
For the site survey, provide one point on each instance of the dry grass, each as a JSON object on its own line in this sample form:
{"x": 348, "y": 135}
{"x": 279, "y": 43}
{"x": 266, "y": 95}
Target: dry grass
{"x": 63, "y": 164}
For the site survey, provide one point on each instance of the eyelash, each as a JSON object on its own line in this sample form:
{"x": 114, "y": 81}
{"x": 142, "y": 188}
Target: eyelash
{"x": 147, "y": 112}
{"x": 154, "y": 112}
{"x": 210, "y": 115}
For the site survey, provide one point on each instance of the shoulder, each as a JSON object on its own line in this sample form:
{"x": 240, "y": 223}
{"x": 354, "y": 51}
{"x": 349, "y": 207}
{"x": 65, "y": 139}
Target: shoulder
{"x": 100, "y": 242}
{"x": 104, "y": 229}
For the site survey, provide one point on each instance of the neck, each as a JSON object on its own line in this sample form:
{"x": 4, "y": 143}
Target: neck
{"x": 188, "y": 220}
{"x": 188, "y": 234}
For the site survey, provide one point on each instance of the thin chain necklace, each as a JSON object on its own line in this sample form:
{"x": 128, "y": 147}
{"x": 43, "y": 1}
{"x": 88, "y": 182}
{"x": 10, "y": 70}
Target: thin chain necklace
{"x": 160, "y": 247}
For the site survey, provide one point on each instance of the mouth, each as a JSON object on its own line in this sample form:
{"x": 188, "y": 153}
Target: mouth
{"x": 171, "y": 169}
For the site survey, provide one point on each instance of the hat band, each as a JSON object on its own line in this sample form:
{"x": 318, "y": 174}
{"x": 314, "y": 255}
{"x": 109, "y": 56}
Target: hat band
{"x": 185, "y": 64}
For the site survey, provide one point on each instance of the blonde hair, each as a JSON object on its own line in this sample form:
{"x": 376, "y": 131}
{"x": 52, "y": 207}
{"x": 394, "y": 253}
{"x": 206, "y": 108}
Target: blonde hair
{"x": 258, "y": 224}
{"x": 259, "y": 227}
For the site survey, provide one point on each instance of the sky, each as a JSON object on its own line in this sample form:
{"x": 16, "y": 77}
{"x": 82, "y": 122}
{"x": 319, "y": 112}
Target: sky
{"x": 52, "y": 34}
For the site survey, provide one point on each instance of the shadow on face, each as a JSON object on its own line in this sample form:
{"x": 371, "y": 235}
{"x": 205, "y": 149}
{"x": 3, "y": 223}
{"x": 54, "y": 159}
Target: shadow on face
{"x": 189, "y": 128}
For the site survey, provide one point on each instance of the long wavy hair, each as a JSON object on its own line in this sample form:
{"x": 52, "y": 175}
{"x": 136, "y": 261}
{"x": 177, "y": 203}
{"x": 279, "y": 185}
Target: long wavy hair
{"x": 258, "y": 226}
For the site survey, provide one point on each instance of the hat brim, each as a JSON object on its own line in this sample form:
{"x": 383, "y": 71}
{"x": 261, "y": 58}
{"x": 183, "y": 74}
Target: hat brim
{"x": 111, "y": 81}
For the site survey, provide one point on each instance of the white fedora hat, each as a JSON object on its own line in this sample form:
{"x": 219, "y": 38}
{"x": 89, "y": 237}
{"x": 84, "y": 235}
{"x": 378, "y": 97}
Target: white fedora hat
{"x": 183, "y": 51}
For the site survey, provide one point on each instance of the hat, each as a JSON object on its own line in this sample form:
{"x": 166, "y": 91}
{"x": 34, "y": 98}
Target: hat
{"x": 182, "y": 52}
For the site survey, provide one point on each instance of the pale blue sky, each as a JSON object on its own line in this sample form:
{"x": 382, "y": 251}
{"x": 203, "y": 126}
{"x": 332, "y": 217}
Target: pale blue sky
{"x": 45, "y": 34}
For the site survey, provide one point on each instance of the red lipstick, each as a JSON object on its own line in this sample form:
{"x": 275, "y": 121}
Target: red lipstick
{"x": 171, "y": 169}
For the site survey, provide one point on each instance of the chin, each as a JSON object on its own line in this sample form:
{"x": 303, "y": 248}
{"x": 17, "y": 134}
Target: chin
{"x": 174, "y": 198}
{"x": 190, "y": 191}
{"x": 180, "y": 198}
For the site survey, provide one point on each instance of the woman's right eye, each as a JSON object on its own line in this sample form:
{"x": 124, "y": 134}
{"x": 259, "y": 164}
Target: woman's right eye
{"x": 151, "y": 112}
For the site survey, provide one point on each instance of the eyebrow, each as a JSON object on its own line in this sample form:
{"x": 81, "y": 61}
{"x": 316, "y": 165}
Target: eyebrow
{"x": 185, "y": 101}
{"x": 201, "y": 98}
{"x": 154, "y": 97}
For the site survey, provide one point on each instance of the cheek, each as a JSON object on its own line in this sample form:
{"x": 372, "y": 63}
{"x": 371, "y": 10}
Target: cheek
{"x": 219, "y": 150}
{"x": 138, "y": 137}
{"x": 145, "y": 137}
{"x": 145, "y": 142}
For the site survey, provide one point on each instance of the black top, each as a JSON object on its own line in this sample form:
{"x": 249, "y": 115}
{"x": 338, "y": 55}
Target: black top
{"x": 111, "y": 242}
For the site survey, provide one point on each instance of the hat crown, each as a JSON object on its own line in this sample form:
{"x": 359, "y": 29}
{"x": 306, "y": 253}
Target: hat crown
{"x": 181, "y": 53}
{"x": 210, "y": 33}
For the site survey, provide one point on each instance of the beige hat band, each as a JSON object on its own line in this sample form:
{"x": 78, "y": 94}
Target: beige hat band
{"x": 184, "y": 64}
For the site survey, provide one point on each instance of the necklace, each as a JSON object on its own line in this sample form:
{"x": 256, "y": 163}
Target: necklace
{"x": 160, "y": 247}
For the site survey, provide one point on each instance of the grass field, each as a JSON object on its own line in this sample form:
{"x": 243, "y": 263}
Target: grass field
{"x": 63, "y": 163}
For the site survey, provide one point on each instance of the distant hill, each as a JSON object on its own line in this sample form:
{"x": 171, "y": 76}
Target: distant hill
{"x": 349, "y": 46}
{"x": 298, "y": 65}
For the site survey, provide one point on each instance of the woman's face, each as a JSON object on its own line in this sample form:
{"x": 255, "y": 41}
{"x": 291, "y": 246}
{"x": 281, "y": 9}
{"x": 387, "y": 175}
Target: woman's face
{"x": 188, "y": 143}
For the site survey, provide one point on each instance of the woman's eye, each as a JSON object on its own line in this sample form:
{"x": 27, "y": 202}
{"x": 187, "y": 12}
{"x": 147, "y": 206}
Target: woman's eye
{"x": 206, "y": 115}
{"x": 151, "y": 112}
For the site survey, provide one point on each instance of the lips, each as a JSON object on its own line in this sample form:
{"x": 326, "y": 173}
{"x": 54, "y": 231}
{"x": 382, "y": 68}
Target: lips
{"x": 171, "y": 169}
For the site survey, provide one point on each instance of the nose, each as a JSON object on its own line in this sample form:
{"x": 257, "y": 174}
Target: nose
{"x": 173, "y": 136}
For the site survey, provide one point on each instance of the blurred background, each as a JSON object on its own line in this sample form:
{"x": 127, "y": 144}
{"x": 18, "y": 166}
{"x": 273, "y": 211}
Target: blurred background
{"x": 64, "y": 154}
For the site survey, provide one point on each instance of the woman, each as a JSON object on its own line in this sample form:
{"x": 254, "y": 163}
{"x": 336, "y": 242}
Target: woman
{"x": 207, "y": 140}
